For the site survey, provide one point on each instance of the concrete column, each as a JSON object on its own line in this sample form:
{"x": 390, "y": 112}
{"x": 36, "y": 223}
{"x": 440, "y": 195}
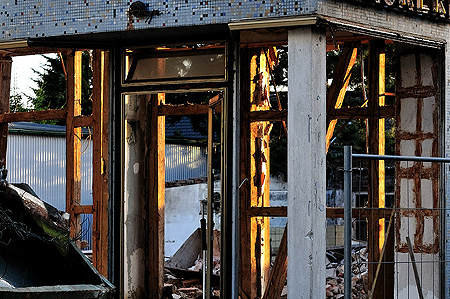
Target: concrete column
{"x": 134, "y": 180}
{"x": 306, "y": 163}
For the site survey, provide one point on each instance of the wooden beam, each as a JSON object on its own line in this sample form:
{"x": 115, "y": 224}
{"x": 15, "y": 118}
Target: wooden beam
{"x": 268, "y": 211}
{"x": 83, "y": 209}
{"x": 5, "y": 86}
{"x": 278, "y": 274}
{"x": 33, "y": 115}
{"x": 359, "y": 213}
{"x": 341, "y": 77}
{"x": 155, "y": 154}
{"x": 269, "y": 115}
{"x": 29, "y": 51}
{"x": 100, "y": 144}
{"x": 216, "y": 100}
{"x": 83, "y": 121}
{"x": 363, "y": 112}
{"x": 73, "y": 141}
{"x": 338, "y": 88}
{"x": 185, "y": 109}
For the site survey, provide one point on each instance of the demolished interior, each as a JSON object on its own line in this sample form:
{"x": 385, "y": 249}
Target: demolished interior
{"x": 339, "y": 78}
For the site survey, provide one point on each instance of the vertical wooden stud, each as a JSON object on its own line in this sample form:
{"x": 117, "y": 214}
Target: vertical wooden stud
{"x": 255, "y": 232}
{"x": 376, "y": 145}
{"x": 5, "y": 85}
{"x": 73, "y": 140}
{"x": 104, "y": 209}
{"x": 100, "y": 156}
{"x": 279, "y": 271}
{"x": 259, "y": 173}
{"x": 244, "y": 190}
{"x": 155, "y": 155}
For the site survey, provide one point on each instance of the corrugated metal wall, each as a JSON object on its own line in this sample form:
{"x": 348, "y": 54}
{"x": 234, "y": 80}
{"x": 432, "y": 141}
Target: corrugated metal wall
{"x": 40, "y": 161}
{"x": 185, "y": 162}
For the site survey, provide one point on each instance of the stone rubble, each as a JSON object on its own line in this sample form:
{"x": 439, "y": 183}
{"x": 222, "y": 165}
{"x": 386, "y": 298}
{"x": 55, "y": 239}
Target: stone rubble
{"x": 335, "y": 275}
{"x": 180, "y": 288}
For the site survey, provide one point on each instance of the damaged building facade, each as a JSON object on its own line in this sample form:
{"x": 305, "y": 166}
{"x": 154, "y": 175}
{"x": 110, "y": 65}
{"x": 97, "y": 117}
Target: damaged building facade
{"x": 214, "y": 59}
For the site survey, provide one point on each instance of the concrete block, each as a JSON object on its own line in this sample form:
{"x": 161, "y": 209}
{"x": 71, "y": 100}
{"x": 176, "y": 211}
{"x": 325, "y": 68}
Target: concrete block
{"x": 408, "y": 115}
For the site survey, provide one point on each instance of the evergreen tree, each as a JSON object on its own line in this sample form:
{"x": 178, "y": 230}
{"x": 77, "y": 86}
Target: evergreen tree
{"x": 16, "y": 103}
{"x": 51, "y": 82}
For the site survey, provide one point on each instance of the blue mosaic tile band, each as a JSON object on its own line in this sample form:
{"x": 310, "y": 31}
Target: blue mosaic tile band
{"x": 40, "y": 18}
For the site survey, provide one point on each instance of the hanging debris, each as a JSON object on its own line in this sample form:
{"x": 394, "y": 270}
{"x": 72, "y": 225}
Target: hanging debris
{"x": 37, "y": 257}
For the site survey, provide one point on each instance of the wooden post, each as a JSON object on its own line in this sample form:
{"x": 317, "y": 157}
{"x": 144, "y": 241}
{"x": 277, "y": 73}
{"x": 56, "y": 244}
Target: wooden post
{"x": 73, "y": 140}
{"x": 244, "y": 191}
{"x": 255, "y": 231}
{"x": 154, "y": 222}
{"x": 100, "y": 156}
{"x": 5, "y": 85}
{"x": 376, "y": 145}
{"x": 260, "y": 172}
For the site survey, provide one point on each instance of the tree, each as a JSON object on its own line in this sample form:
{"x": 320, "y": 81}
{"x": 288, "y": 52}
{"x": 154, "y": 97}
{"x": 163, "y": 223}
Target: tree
{"x": 16, "y": 103}
{"x": 51, "y": 82}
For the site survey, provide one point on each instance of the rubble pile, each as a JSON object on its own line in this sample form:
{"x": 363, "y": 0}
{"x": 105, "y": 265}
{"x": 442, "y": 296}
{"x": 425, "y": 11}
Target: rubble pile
{"x": 184, "y": 288}
{"x": 335, "y": 274}
{"x": 198, "y": 266}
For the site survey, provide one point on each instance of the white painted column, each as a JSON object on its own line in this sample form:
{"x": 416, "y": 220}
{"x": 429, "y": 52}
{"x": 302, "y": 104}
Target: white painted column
{"x": 306, "y": 163}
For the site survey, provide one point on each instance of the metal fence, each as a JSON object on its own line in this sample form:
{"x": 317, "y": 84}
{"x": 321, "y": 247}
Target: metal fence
{"x": 395, "y": 246}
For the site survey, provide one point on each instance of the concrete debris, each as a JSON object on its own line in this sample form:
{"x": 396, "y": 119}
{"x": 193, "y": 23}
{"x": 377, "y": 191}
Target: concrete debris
{"x": 183, "y": 272}
{"x": 335, "y": 274}
{"x": 198, "y": 266}
{"x": 185, "y": 288}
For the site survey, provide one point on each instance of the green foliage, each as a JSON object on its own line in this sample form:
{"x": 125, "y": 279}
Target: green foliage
{"x": 51, "y": 82}
{"x": 278, "y": 141}
{"x": 16, "y": 103}
{"x": 280, "y": 73}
